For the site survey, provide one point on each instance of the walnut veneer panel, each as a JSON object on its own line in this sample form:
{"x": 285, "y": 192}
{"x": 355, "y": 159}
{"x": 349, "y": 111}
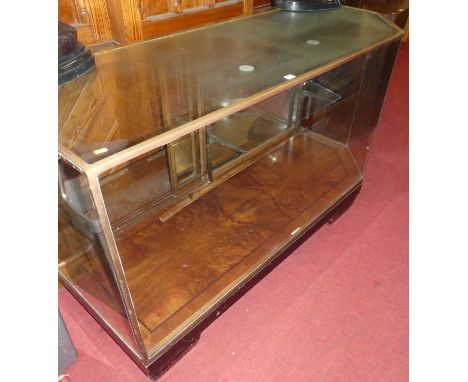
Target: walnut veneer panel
{"x": 88, "y": 17}
{"x": 176, "y": 269}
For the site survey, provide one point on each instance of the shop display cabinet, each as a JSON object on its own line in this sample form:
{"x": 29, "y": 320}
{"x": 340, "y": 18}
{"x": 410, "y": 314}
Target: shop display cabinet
{"x": 189, "y": 163}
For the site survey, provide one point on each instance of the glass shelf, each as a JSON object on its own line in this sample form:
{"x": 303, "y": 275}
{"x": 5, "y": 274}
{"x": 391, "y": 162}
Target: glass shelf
{"x": 317, "y": 98}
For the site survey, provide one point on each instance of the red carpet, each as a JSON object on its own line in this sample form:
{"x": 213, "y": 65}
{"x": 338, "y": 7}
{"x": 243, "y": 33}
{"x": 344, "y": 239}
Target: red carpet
{"x": 335, "y": 310}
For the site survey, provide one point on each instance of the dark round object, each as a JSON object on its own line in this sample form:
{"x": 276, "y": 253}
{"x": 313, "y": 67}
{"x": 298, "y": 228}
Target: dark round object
{"x": 73, "y": 59}
{"x": 306, "y": 5}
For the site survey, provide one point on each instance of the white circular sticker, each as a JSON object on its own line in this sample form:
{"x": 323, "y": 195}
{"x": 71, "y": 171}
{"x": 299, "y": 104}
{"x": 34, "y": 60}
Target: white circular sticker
{"x": 246, "y": 68}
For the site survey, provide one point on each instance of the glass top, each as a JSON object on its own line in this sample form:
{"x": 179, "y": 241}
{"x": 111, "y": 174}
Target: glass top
{"x": 138, "y": 91}
{"x": 387, "y": 7}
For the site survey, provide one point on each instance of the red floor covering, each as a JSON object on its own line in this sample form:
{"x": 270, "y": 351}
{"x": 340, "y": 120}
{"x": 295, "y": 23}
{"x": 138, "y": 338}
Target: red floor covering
{"x": 335, "y": 310}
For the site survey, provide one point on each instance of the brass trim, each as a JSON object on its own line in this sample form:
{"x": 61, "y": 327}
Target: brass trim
{"x": 109, "y": 328}
{"x": 171, "y": 161}
{"x": 116, "y": 264}
{"x": 70, "y": 157}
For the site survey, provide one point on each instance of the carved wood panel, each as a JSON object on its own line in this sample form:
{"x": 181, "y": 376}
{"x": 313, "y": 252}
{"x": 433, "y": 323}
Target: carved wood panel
{"x": 88, "y": 17}
{"x": 133, "y": 20}
{"x": 99, "y": 21}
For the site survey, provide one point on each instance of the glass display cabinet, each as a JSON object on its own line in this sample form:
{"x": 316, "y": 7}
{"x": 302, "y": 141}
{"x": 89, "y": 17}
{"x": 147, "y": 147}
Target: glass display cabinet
{"x": 188, "y": 163}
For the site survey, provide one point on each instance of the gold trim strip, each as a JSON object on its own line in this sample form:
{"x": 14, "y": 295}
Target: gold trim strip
{"x": 98, "y": 199}
{"x": 73, "y": 159}
{"x": 115, "y": 334}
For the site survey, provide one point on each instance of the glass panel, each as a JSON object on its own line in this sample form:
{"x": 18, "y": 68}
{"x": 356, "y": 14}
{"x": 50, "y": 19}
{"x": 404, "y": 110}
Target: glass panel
{"x": 138, "y": 91}
{"x": 82, "y": 257}
{"x": 375, "y": 77}
{"x": 240, "y": 132}
{"x": 155, "y": 181}
{"x": 329, "y": 104}
{"x": 186, "y": 158}
{"x": 150, "y": 181}
{"x": 317, "y": 98}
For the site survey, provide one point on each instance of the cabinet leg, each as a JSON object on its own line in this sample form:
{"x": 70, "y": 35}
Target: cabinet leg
{"x": 163, "y": 364}
{"x": 339, "y": 210}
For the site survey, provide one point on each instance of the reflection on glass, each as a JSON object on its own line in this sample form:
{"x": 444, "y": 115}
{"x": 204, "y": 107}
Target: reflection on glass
{"x": 136, "y": 185}
{"x": 83, "y": 260}
{"x": 317, "y": 98}
{"x": 153, "y": 181}
{"x": 139, "y": 91}
{"x": 375, "y": 77}
{"x": 240, "y": 132}
{"x": 330, "y": 101}
{"x": 185, "y": 154}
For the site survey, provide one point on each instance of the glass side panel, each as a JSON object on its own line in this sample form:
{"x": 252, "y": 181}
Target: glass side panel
{"x": 150, "y": 181}
{"x": 187, "y": 158}
{"x": 82, "y": 257}
{"x": 317, "y": 98}
{"x": 156, "y": 181}
{"x": 375, "y": 77}
{"x": 350, "y": 100}
{"x": 330, "y": 101}
{"x": 138, "y": 91}
{"x": 239, "y": 133}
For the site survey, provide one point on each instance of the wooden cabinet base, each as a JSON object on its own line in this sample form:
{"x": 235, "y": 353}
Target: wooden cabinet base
{"x": 162, "y": 364}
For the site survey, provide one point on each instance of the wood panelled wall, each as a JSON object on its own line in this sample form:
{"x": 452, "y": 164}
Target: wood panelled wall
{"x": 124, "y": 21}
{"x": 89, "y": 17}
